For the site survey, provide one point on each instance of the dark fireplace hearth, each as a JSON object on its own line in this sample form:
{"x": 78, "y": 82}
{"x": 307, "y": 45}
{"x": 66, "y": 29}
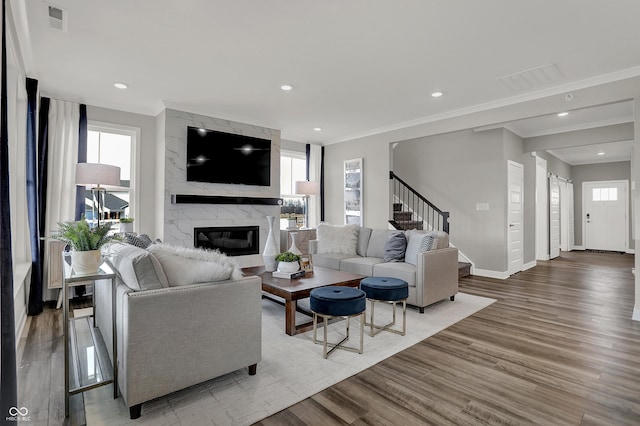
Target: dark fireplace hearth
{"x": 230, "y": 240}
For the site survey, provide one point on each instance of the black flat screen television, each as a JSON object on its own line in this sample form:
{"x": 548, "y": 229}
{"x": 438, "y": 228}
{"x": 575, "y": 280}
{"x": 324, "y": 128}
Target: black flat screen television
{"x": 220, "y": 157}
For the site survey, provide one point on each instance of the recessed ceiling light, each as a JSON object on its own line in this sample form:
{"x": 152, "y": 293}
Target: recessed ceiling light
{"x": 563, "y": 114}
{"x": 317, "y": 129}
{"x": 436, "y": 94}
{"x": 286, "y": 87}
{"x": 120, "y": 85}
{"x": 601, "y": 153}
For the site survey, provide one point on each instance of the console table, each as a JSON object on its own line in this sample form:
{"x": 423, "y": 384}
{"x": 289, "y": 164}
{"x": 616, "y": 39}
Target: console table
{"x": 84, "y": 347}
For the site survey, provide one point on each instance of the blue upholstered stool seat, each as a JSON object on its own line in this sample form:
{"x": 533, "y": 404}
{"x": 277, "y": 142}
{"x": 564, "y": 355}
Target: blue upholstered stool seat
{"x": 385, "y": 288}
{"x": 388, "y": 290}
{"x": 337, "y": 301}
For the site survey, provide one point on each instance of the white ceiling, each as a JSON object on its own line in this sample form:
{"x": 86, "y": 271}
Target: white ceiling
{"x": 357, "y": 67}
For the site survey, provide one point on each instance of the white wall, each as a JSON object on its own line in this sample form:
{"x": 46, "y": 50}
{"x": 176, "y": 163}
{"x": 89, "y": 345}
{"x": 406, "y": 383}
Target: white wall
{"x": 16, "y": 129}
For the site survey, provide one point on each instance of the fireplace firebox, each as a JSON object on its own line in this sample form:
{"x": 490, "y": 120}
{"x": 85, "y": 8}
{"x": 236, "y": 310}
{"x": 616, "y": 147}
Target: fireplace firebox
{"x": 230, "y": 240}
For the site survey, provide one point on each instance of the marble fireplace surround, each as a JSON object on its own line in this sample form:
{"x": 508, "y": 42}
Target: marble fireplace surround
{"x": 180, "y": 219}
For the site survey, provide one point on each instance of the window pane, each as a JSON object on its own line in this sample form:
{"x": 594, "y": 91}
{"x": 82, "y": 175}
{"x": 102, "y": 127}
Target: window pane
{"x": 613, "y": 194}
{"x": 596, "y": 194}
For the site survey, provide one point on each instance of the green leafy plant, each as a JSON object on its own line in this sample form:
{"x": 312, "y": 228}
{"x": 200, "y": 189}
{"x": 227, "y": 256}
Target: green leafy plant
{"x": 82, "y": 238}
{"x": 126, "y": 220}
{"x": 287, "y": 256}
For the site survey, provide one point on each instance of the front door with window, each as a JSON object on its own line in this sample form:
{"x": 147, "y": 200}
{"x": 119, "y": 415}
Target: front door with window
{"x": 606, "y": 222}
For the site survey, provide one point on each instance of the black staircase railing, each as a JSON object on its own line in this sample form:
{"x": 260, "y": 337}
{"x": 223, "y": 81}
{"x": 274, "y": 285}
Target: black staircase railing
{"x": 412, "y": 211}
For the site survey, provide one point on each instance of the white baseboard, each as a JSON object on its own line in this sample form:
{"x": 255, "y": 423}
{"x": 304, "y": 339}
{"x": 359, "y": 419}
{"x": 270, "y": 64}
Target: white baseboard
{"x": 529, "y": 265}
{"x": 578, "y": 248}
{"x": 546, "y": 257}
{"x": 631, "y": 251}
{"x": 636, "y": 313}
{"x": 490, "y": 274}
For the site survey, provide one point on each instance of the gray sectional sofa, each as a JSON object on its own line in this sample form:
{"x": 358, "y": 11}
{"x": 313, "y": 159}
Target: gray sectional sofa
{"x": 432, "y": 274}
{"x": 170, "y": 335}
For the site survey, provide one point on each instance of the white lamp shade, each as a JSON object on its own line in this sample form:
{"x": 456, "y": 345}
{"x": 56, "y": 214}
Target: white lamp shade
{"x": 96, "y": 174}
{"x": 306, "y": 187}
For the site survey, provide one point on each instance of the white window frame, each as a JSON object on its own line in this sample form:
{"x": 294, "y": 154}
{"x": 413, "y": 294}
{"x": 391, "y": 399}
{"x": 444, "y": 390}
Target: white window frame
{"x": 292, "y": 154}
{"x": 134, "y": 133}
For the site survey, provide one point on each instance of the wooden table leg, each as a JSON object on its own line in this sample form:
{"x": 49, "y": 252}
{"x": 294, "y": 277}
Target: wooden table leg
{"x": 290, "y": 317}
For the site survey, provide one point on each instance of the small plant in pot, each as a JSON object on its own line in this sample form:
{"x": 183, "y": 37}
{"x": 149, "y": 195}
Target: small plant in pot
{"x": 126, "y": 224}
{"x": 85, "y": 243}
{"x": 288, "y": 262}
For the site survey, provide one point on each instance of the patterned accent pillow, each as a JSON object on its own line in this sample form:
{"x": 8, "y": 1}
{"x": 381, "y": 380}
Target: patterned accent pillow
{"x": 137, "y": 240}
{"x": 418, "y": 242}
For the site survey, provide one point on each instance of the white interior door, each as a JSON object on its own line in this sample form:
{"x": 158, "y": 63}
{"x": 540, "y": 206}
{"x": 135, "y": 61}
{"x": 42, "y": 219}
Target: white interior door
{"x": 554, "y": 217}
{"x": 542, "y": 210}
{"x": 564, "y": 214}
{"x": 514, "y": 228}
{"x": 605, "y": 215}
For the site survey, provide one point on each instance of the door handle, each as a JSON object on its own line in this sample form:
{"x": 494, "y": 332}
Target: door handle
{"x": 511, "y": 225}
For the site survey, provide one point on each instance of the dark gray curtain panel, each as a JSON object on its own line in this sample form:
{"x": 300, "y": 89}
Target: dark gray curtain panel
{"x": 8, "y": 384}
{"x": 35, "y": 288}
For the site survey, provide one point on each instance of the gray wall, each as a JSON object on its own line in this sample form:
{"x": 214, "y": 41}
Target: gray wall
{"x": 456, "y": 171}
{"x": 375, "y": 181}
{"x": 555, "y": 165}
{"x": 596, "y": 172}
{"x": 145, "y": 220}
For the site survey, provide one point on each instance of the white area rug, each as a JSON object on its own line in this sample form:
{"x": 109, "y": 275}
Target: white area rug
{"x": 292, "y": 369}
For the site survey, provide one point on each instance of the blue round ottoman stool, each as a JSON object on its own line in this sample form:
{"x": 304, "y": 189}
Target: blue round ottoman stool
{"x": 333, "y": 302}
{"x": 389, "y": 290}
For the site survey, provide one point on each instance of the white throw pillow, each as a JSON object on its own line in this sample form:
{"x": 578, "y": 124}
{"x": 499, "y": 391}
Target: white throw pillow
{"x": 341, "y": 239}
{"x": 417, "y": 242}
{"x": 186, "y": 266}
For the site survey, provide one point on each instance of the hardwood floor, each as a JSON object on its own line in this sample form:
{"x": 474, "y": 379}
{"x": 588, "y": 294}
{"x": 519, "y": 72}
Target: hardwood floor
{"x": 558, "y": 347}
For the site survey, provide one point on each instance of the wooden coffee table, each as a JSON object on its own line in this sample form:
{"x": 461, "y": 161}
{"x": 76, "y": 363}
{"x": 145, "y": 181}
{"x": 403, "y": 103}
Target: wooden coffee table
{"x": 293, "y": 290}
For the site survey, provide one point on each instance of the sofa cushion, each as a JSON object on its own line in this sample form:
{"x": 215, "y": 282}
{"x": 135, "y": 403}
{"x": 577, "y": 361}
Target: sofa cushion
{"x": 137, "y": 268}
{"x": 337, "y": 239}
{"x": 360, "y": 265}
{"x": 377, "y": 241}
{"x": 363, "y": 241}
{"x": 395, "y": 247}
{"x": 418, "y": 242}
{"x": 186, "y": 266}
{"x": 402, "y": 270}
{"x": 329, "y": 260}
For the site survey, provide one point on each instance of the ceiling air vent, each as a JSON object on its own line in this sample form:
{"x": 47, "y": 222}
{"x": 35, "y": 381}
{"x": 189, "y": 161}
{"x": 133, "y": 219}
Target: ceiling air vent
{"x": 533, "y": 78}
{"x": 57, "y": 18}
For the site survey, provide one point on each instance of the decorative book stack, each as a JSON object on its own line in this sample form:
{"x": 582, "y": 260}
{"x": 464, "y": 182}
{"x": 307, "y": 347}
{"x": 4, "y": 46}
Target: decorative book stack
{"x": 289, "y": 275}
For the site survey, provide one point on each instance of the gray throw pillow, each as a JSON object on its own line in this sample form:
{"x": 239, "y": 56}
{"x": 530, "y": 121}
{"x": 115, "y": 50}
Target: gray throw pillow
{"x": 395, "y": 247}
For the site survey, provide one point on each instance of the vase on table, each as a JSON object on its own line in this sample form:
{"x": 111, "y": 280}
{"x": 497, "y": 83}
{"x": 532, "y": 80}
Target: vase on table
{"x": 294, "y": 248}
{"x": 271, "y": 247}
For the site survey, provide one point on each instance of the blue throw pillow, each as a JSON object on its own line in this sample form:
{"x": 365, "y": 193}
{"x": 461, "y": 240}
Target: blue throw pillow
{"x": 395, "y": 247}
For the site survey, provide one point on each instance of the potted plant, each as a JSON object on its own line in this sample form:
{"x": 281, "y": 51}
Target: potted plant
{"x": 126, "y": 225}
{"x": 85, "y": 243}
{"x": 288, "y": 262}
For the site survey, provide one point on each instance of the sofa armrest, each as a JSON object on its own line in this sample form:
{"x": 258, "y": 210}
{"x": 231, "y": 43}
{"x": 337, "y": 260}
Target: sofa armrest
{"x": 436, "y": 275}
{"x": 176, "y": 337}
